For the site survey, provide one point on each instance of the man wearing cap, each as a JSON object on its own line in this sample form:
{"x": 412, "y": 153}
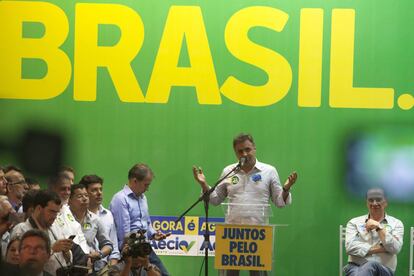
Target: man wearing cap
{"x": 373, "y": 241}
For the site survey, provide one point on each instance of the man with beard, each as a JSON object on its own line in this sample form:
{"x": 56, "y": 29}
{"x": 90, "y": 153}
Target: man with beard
{"x": 46, "y": 207}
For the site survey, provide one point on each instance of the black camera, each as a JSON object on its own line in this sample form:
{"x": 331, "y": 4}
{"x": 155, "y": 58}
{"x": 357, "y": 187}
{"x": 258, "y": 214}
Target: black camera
{"x": 73, "y": 270}
{"x": 138, "y": 245}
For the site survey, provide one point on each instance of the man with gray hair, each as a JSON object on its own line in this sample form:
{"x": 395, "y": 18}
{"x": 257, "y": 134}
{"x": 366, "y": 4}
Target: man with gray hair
{"x": 16, "y": 186}
{"x": 373, "y": 240}
{"x": 130, "y": 209}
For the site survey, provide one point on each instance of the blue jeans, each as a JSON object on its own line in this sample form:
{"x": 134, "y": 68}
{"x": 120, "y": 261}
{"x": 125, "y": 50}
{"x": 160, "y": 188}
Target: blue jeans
{"x": 154, "y": 259}
{"x": 367, "y": 269}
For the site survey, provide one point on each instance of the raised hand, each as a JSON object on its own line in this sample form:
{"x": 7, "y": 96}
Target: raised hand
{"x": 290, "y": 181}
{"x": 199, "y": 175}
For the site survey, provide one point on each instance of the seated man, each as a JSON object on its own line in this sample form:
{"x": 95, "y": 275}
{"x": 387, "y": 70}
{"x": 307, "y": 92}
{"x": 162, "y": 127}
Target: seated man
{"x": 373, "y": 241}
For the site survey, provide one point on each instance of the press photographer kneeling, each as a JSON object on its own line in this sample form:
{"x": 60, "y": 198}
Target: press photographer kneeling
{"x": 135, "y": 257}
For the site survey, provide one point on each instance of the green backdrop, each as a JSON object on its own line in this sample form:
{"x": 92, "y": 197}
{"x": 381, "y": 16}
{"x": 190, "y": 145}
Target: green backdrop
{"x": 298, "y": 87}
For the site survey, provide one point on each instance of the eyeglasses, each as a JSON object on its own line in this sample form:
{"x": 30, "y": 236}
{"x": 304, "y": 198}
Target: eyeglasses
{"x": 22, "y": 181}
{"x": 30, "y": 248}
{"x": 376, "y": 199}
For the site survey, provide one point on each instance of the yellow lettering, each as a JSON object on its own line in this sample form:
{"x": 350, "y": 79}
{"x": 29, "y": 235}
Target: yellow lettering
{"x": 117, "y": 58}
{"x": 310, "y": 58}
{"x": 211, "y": 227}
{"x": 342, "y": 93}
{"x": 179, "y": 226}
{"x": 275, "y": 65}
{"x": 184, "y": 22}
{"x": 14, "y": 47}
{"x": 156, "y": 225}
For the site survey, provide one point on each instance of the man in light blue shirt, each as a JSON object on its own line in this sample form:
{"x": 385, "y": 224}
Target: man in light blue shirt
{"x": 130, "y": 209}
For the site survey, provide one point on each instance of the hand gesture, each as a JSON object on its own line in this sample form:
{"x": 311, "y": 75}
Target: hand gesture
{"x": 200, "y": 178}
{"x": 290, "y": 181}
{"x": 199, "y": 175}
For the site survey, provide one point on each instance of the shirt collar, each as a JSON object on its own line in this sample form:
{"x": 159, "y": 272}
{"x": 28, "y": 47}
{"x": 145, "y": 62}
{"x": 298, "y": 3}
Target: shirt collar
{"x": 259, "y": 165}
{"x": 89, "y": 216}
{"x": 102, "y": 210}
{"x": 129, "y": 192}
{"x": 384, "y": 220}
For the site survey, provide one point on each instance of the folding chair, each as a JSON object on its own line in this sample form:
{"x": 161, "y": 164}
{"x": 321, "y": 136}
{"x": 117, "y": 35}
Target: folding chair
{"x": 411, "y": 271}
{"x": 342, "y": 231}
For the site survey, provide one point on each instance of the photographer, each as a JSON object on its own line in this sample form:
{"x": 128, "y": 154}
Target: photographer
{"x": 135, "y": 258}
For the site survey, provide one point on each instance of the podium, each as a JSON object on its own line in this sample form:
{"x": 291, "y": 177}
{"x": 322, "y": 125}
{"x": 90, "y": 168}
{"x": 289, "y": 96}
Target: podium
{"x": 245, "y": 242}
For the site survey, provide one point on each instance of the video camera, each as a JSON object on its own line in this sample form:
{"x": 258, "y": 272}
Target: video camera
{"x": 138, "y": 245}
{"x": 73, "y": 270}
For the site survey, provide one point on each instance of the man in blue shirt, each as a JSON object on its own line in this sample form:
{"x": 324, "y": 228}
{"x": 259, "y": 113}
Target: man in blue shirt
{"x": 130, "y": 209}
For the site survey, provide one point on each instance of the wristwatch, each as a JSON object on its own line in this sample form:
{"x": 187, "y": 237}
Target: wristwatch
{"x": 101, "y": 255}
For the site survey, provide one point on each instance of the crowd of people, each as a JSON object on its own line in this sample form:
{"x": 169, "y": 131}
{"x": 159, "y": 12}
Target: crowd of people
{"x": 65, "y": 230}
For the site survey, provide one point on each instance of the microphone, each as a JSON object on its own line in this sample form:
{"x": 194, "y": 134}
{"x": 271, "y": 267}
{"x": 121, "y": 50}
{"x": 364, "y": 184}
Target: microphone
{"x": 242, "y": 161}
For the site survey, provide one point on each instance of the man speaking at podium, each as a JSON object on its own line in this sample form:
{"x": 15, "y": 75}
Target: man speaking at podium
{"x": 250, "y": 186}
{"x": 254, "y": 183}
